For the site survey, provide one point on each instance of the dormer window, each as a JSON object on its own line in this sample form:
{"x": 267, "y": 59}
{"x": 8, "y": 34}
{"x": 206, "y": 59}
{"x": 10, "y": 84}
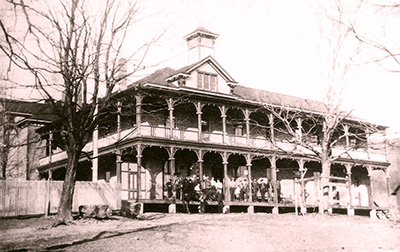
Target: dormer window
{"x": 207, "y": 81}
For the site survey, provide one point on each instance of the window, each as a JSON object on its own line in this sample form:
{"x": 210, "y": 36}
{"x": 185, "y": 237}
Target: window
{"x": 239, "y": 130}
{"x": 207, "y": 81}
{"x": 204, "y": 126}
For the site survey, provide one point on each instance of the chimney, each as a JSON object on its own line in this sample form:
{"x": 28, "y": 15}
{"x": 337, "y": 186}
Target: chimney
{"x": 200, "y": 44}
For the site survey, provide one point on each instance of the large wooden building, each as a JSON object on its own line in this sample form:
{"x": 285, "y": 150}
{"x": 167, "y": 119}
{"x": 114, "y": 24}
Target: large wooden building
{"x": 198, "y": 123}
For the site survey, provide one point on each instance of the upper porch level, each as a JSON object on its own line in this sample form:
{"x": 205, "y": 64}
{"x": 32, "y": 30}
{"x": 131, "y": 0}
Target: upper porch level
{"x": 187, "y": 121}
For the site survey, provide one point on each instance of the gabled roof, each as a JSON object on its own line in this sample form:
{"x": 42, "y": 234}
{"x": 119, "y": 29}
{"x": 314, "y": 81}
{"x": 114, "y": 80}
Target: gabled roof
{"x": 187, "y": 70}
{"x": 161, "y": 77}
{"x": 158, "y": 77}
{"x": 239, "y": 91}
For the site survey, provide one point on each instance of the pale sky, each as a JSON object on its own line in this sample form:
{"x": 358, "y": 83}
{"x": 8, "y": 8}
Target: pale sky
{"x": 277, "y": 46}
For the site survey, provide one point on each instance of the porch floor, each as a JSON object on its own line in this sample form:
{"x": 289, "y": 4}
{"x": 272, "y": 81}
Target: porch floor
{"x": 161, "y": 205}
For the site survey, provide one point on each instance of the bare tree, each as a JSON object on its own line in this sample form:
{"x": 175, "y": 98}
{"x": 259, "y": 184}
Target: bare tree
{"x": 384, "y": 51}
{"x": 73, "y": 48}
{"x": 319, "y": 127}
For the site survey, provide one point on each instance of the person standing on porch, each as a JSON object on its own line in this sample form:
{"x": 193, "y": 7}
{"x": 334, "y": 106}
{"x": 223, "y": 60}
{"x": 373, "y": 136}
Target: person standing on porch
{"x": 213, "y": 182}
{"x": 202, "y": 199}
{"x": 254, "y": 189}
{"x": 242, "y": 192}
{"x": 232, "y": 188}
{"x": 178, "y": 188}
{"x": 187, "y": 194}
{"x": 270, "y": 192}
{"x": 218, "y": 185}
{"x": 220, "y": 199}
{"x": 263, "y": 190}
{"x": 169, "y": 188}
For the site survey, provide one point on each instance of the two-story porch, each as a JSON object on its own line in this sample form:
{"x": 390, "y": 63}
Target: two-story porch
{"x": 241, "y": 147}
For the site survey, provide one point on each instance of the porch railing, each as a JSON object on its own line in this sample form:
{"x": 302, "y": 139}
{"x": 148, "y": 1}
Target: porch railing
{"x": 216, "y": 137}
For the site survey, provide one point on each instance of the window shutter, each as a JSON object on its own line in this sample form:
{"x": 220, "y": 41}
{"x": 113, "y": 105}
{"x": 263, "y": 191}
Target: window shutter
{"x": 199, "y": 80}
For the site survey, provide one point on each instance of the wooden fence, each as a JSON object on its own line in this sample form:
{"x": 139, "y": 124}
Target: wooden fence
{"x": 21, "y": 198}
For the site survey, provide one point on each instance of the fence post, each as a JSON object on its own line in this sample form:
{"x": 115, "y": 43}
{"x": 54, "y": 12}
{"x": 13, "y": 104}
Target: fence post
{"x": 295, "y": 196}
{"x": 47, "y": 195}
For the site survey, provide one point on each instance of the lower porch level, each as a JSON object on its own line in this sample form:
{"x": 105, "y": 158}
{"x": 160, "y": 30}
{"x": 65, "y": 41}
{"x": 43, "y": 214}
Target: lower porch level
{"x": 177, "y": 206}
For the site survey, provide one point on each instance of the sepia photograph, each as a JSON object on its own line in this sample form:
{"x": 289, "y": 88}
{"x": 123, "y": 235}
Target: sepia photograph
{"x": 199, "y": 125}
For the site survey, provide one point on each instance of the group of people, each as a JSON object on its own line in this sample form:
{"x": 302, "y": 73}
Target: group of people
{"x": 190, "y": 189}
{"x": 262, "y": 190}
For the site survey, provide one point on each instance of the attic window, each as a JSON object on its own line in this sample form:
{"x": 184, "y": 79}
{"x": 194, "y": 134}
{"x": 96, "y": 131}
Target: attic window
{"x": 207, "y": 81}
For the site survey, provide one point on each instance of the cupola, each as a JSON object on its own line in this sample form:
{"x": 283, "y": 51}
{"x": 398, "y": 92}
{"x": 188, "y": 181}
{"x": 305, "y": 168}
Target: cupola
{"x": 200, "y": 44}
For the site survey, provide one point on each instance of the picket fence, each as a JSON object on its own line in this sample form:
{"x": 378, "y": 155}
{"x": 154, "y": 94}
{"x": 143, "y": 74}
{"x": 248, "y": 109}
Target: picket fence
{"x": 24, "y": 198}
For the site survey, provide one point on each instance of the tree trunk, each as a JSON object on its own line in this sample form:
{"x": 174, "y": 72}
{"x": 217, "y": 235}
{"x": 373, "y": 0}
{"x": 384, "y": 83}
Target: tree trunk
{"x": 64, "y": 214}
{"x": 326, "y": 172}
{"x": 4, "y": 161}
{"x": 5, "y": 150}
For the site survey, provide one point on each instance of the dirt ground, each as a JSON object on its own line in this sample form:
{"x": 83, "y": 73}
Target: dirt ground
{"x": 208, "y": 232}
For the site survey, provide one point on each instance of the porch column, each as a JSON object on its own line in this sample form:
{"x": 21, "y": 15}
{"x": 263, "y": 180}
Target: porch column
{"x": 118, "y": 165}
{"x": 139, "y": 99}
{"x": 170, "y": 103}
{"x": 350, "y": 208}
{"x": 249, "y": 164}
{"x": 272, "y": 160}
{"x": 139, "y": 171}
{"x": 95, "y": 146}
{"x": 303, "y": 171}
{"x": 247, "y": 119}
{"x": 119, "y": 106}
{"x": 199, "y": 113}
{"x": 172, "y": 161}
{"x": 95, "y": 161}
{"x": 372, "y": 213}
{"x": 223, "y": 115}
{"x": 370, "y": 199}
{"x": 50, "y": 146}
{"x": 271, "y": 128}
{"x": 200, "y": 161}
{"x": 118, "y": 151}
{"x": 250, "y": 209}
{"x": 226, "y": 178}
